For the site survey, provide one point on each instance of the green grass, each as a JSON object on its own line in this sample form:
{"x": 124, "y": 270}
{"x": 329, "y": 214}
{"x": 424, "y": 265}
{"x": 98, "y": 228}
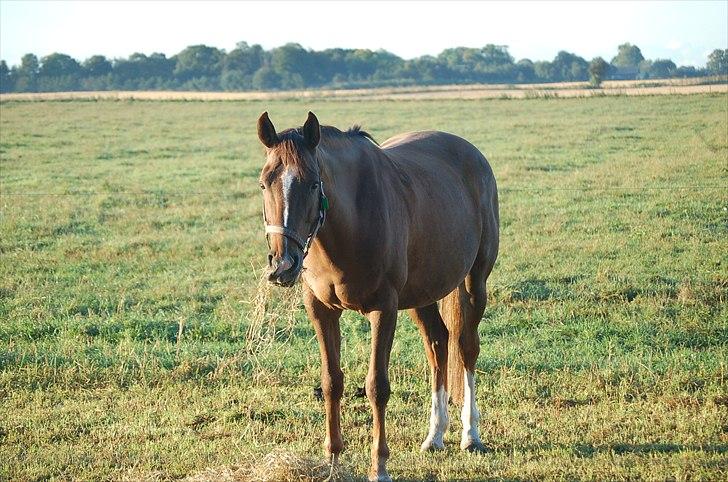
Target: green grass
{"x": 603, "y": 350}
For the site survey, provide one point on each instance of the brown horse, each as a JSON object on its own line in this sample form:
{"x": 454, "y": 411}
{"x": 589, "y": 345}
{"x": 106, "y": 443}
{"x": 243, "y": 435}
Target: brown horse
{"x": 377, "y": 229}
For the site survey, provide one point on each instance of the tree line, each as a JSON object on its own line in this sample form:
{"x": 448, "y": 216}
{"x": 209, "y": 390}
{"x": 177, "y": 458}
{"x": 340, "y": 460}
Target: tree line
{"x": 250, "y": 67}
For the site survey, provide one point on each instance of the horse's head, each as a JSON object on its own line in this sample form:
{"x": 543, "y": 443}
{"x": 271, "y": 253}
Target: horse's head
{"x": 293, "y": 201}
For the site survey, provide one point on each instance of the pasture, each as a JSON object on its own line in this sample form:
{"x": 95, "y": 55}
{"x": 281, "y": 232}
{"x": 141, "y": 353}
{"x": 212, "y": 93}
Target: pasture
{"x": 136, "y": 341}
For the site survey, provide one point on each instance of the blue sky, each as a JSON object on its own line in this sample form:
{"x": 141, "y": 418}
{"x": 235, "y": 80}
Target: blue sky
{"x": 685, "y": 31}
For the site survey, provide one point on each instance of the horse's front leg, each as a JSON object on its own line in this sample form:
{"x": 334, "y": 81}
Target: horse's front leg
{"x": 377, "y": 387}
{"x": 326, "y": 323}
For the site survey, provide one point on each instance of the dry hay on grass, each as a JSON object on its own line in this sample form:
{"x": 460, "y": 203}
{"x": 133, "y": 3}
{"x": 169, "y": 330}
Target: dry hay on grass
{"x": 471, "y": 91}
{"x": 278, "y": 465}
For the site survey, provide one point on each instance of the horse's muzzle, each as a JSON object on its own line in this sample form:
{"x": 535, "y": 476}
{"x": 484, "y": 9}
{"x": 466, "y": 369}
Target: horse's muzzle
{"x": 284, "y": 271}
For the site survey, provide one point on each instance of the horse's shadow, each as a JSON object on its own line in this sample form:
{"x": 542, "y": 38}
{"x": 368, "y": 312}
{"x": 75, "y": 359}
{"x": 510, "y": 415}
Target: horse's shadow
{"x": 588, "y": 451}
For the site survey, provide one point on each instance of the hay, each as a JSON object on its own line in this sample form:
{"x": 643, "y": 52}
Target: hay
{"x": 714, "y": 84}
{"x": 272, "y": 315}
{"x": 278, "y": 465}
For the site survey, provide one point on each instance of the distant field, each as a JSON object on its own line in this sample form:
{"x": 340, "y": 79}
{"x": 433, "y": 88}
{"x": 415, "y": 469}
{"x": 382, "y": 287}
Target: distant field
{"x": 699, "y": 85}
{"x": 137, "y": 343}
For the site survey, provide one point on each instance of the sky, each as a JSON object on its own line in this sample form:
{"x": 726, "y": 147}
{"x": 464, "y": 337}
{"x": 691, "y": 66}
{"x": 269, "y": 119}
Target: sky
{"x": 684, "y": 31}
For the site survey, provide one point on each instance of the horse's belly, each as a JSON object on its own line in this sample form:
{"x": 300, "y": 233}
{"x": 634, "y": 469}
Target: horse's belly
{"x": 440, "y": 260}
{"x": 430, "y": 282}
{"x": 417, "y": 295}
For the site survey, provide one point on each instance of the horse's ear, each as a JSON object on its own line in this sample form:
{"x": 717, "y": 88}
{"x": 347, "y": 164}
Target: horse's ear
{"x": 311, "y": 131}
{"x": 266, "y": 131}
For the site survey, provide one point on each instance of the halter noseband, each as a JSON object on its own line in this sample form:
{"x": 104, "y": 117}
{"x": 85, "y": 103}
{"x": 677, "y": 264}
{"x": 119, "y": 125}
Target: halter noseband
{"x": 303, "y": 244}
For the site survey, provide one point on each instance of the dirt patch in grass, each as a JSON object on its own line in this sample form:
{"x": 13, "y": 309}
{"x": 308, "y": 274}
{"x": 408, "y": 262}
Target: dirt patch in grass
{"x": 442, "y": 92}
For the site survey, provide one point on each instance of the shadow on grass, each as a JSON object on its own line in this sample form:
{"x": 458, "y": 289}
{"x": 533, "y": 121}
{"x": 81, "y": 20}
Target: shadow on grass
{"x": 590, "y": 450}
{"x": 537, "y": 289}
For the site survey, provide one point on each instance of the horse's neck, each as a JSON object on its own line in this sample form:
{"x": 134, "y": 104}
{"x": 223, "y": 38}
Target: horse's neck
{"x": 359, "y": 167}
{"x": 349, "y": 173}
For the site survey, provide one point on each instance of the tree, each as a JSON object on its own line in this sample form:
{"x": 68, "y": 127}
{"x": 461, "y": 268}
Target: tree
{"x": 96, "y": 66}
{"x": 295, "y": 65}
{"x": 26, "y": 76}
{"x": 58, "y": 72}
{"x": 266, "y": 79}
{"x": 687, "y": 71}
{"x": 525, "y": 71}
{"x": 718, "y": 62}
{"x": 426, "y": 69}
{"x": 239, "y": 66}
{"x": 628, "y": 56}
{"x": 29, "y": 65}
{"x": 569, "y": 67}
{"x": 199, "y": 61}
{"x": 491, "y": 63}
{"x": 232, "y": 80}
{"x": 598, "y": 69}
{"x": 6, "y": 78}
{"x": 662, "y": 69}
{"x": 385, "y": 65}
{"x": 56, "y": 65}
{"x": 544, "y": 71}
{"x": 140, "y": 71}
{"x": 496, "y": 55}
{"x": 244, "y": 58}
{"x": 291, "y": 66}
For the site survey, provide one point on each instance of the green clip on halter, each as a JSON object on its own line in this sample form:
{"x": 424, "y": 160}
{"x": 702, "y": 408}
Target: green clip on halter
{"x": 291, "y": 234}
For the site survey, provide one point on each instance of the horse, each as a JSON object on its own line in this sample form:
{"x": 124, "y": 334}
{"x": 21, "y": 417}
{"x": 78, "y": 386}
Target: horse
{"x": 411, "y": 224}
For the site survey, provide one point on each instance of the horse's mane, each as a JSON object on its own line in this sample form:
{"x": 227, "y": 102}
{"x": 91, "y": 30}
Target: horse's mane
{"x": 356, "y": 130}
{"x": 328, "y": 133}
{"x": 292, "y": 143}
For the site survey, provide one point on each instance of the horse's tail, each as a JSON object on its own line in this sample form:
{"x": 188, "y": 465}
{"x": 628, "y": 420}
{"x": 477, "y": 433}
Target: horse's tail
{"x": 453, "y": 312}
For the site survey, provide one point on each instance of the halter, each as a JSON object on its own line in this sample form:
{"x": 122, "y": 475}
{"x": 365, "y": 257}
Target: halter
{"x": 303, "y": 244}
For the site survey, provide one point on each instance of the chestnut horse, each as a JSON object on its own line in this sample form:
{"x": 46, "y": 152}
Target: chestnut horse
{"x": 377, "y": 229}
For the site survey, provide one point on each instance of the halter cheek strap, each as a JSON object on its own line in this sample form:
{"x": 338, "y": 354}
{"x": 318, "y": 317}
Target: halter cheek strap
{"x": 303, "y": 244}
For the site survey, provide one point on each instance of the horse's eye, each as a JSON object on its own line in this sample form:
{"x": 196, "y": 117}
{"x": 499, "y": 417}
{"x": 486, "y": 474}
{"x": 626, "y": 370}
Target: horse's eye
{"x": 262, "y": 186}
{"x": 314, "y": 186}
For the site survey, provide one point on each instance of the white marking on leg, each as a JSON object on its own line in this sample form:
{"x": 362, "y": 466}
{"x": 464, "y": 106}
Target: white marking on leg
{"x": 286, "y": 185}
{"x": 469, "y": 414}
{"x": 438, "y": 421}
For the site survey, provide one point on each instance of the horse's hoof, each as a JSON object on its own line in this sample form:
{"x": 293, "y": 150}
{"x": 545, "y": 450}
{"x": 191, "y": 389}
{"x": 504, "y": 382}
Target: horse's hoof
{"x": 430, "y": 446}
{"x": 475, "y": 447}
{"x": 380, "y": 478}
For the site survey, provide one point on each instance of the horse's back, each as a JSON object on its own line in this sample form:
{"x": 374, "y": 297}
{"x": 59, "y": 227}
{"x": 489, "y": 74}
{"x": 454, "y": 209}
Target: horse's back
{"x": 435, "y": 149}
{"x": 445, "y": 161}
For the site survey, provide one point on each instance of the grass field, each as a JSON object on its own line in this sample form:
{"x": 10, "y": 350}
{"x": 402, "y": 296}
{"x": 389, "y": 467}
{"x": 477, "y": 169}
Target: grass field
{"x": 133, "y": 344}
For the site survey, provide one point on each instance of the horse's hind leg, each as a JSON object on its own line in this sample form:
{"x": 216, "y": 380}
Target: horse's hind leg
{"x": 472, "y": 296}
{"x": 434, "y": 336}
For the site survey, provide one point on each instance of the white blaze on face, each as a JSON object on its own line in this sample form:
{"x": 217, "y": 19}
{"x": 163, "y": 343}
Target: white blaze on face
{"x": 469, "y": 414}
{"x": 286, "y": 186}
{"x": 438, "y": 421}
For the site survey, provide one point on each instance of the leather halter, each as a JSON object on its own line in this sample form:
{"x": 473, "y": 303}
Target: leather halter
{"x": 303, "y": 244}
